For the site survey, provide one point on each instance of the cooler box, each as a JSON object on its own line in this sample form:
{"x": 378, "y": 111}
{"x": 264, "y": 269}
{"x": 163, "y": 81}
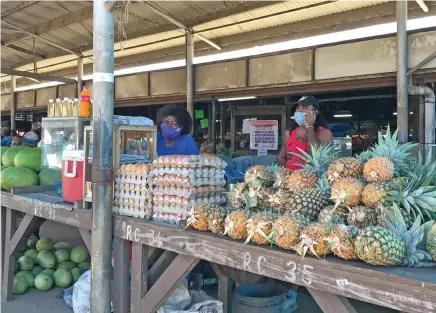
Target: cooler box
{"x": 72, "y": 175}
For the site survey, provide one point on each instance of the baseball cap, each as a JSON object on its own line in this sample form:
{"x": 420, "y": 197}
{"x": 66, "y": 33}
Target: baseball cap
{"x": 309, "y": 100}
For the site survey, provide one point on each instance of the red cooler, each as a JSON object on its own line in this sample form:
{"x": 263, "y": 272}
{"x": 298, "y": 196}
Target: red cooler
{"x": 72, "y": 175}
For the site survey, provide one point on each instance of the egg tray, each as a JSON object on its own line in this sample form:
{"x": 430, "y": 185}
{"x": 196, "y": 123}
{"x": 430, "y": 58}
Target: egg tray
{"x": 133, "y": 203}
{"x": 187, "y": 182}
{"x": 187, "y": 203}
{"x": 193, "y": 161}
{"x": 133, "y": 188}
{"x": 183, "y": 172}
{"x": 168, "y": 218}
{"x": 129, "y": 211}
{"x": 132, "y": 195}
{"x": 132, "y": 180}
{"x": 191, "y": 192}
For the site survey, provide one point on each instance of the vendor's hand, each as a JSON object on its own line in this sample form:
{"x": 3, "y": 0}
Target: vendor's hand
{"x": 309, "y": 119}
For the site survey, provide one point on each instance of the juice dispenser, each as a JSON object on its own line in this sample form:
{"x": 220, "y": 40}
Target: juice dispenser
{"x": 72, "y": 175}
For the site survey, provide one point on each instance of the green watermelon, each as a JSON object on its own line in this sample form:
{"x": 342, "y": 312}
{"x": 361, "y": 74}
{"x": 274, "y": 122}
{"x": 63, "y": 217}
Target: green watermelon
{"x": 2, "y": 167}
{"x": 79, "y": 254}
{"x": 20, "y": 285}
{"x": 62, "y": 255}
{"x": 31, "y": 243}
{"x": 26, "y": 263}
{"x": 29, "y": 158}
{"x": 67, "y": 265}
{"x": 46, "y": 259}
{"x": 48, "y": 271}
{"x": 76, "y": 273}
{"x": 62, "y": 278}
{"x": 61, "y": 245}
{"x": 33, "y": 254}
{"x": 28, "y": 276}
{"x": 84, "y": 266}
{"x": 9, "y": 156}
{"x": 44, "y": 244}
{"x": 36, "y": 270}
{"x": 43, "y": 282}
{"x": 17, "y": 177}
{"x": 48, "y": 176}
{"x": 2, "y": 151}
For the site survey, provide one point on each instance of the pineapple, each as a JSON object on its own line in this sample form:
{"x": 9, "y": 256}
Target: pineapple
{"x": 431, "y": 242}
{"x": 259, "y": 227}
{"x": 347, "y": 191}
{"x": 307, "y": 202}
{"x": 278, "y": 200}
{"x": 259, "y": 176}
{"x": 198, "y": 217}
{"x": 344, "y": 167}
{"x": 394, "y": 245}
{"x": 281, "y": 177}
{"x": 215, "y": 219}
{"x": 315, "y": 165}
{"x": 389, "y": 147}
{"x": 286, "y": 231}
{"x": 378, "y": 169}
{"x": 375, "y": 195}
{"x": 312, "y": 240}
{"x": 362, "y": 217}
{"x": 341, "y": 241}
{"x": 332, "y": 215}
{"x": 323, "y": 185}
{"x": 234, "y": 225}
{"x": 301, "y": 180}
{"x": 236, "y": 196}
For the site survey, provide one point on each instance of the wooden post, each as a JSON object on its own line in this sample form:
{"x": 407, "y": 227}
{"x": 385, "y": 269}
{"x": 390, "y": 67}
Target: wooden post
{"x": 223, "y": 284}
{"x": 121, "y": 276}
{"x": 9, "y": 260}
{"x": 139, "y": 279}
{"x": 13, "y": 102}
{"x": 331, "y": 303}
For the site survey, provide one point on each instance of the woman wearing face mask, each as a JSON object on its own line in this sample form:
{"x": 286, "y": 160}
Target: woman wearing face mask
{"x": 175, "y": 125}
{"x": 308, "y": 128}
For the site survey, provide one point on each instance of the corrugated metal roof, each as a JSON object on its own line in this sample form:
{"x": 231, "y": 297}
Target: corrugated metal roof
{"x": 147, "y": 31}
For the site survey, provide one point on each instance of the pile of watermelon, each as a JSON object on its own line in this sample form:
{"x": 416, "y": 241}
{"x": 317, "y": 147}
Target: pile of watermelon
{"x": 21, "y": 167}
{"x": 44, "y": 264}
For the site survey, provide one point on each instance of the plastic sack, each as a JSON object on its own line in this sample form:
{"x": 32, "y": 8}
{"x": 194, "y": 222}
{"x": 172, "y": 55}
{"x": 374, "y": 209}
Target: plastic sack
{"x": 82, "y": 294}
{"x": 183, "y": 301}
{"x": 67, "y": 295}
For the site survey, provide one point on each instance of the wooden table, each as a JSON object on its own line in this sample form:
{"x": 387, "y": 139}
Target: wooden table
{"x": 38, "y": 204}
{"x": 330, "y": 281}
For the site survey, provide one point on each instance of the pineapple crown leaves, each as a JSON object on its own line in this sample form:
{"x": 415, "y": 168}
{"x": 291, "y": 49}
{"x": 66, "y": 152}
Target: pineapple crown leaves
{"x": 364, "y": 156}
{"x": 412, "y": 238}
{"x": 318, "y": 159}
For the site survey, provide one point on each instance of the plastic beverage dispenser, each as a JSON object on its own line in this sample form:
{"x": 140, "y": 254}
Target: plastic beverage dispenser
{"x": 72, "y": 175}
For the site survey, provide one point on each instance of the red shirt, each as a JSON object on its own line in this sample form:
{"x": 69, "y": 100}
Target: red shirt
{"x": 293, "y": 161}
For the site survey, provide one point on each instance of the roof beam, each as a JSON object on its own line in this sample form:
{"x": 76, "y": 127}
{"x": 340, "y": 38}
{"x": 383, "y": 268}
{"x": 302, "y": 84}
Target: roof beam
{"x": 51, "y": 43}
{"x": 62, "y": 21}
{"x": 22, "y": 50}
{"x": 423, "y": 6}
{"x": 180, "y": 25}
{"x": 18, "y": 8}
{"x": 10, "y": 71}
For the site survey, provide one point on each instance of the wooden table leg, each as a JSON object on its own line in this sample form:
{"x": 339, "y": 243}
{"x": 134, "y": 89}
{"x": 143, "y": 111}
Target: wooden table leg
{"x": 86, "y": 236}
{"x": 160, "y": 266}
{"x": 139, "y": 280}
{"x": 121, "y": 276}
{"x": 3, "y": 230}
{"x": 331, "y": 303}
{"x": 9, "y": 260}
{"x": 223, "y": 284}
{"x": 167, "y": 282}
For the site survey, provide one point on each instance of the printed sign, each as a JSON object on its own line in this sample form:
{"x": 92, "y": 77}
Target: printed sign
{"x": 264, "y": 135}
{"x": 204, "y": 123}
{"x": 199, "y": 114}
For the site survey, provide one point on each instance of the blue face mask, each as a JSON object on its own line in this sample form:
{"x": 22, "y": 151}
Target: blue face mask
{"x": 299, "y": 118}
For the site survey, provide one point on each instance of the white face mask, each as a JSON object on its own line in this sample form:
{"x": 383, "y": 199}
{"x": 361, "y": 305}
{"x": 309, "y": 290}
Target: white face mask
{"x": 299, "y": 118}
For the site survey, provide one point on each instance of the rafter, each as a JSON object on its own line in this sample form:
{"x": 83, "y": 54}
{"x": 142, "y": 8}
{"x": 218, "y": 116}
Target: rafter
{"x": 18, "y": 8}
{"x": 22, "y": 50}
{"x": 9, "y": 71}
{"x": 62, "y": 21}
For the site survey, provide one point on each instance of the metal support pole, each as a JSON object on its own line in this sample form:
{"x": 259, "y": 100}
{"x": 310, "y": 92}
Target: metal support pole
{"x": 213, "y": 125}
{"x": 13, "y": 101}
{"x": 222, "y": 123}
{"x": 102, "y": 165}
{"x": 190, "y": 73}
{"x": 79, "y": 76}
{"x": 402, "y": 97}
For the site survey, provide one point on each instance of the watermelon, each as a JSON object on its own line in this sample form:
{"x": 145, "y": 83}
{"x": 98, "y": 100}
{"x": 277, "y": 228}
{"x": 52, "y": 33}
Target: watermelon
{"x": 62, "y": 255}
{"x": 26, "y": 263}
{"x": 48, "y": 176}
{"x": 17, "y": 177}
{"x": 46, "y": 259}
{"x": 76, "y": 273}
{"x": 9, "y": 156}
{"x": 36, "y": 270}
{"x": 2, "y": 151}
{"x": 84, "y": 266}
{"x": 79, "y": 254}
{"x": 48, "y": 271}
{"x": 44, "y": 244}
{"x": 43, "y": 282}
{"x": 33, "y": 254}
{"x": 62, "y": 278}
{"x": 20, "y": 285}
{"x": 67, "y": 265}
{"x": 29, "y": 158}
{"x": 28, "y": 276}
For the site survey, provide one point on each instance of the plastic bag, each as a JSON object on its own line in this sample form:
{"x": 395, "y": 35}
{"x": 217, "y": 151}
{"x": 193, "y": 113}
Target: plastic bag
{"x": 82, "y": 294}
{"x": 183, "y": 301}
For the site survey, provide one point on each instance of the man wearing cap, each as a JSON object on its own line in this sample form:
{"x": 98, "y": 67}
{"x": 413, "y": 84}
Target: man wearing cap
{"x": 308, "y": 127}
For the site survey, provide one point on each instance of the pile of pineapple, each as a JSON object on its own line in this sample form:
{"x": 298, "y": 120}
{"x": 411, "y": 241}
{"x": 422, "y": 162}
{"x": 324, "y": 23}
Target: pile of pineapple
{"x": 378, "y": 207}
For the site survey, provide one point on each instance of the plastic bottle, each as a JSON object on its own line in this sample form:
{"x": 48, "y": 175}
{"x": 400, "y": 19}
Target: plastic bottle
{"x": 51, "y": 108}
{"x": 84, "y": 105}
{"x": 58, "y": 108}
{"x": 65, "y": 108}
{"x": 75, "y": 107}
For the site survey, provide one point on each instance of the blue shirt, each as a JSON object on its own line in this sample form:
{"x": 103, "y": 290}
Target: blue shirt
{"x": 183, "y": 145}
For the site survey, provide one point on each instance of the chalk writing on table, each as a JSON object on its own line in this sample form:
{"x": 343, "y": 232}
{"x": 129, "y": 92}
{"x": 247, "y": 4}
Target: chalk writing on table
{"x": 44, "y": 212}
